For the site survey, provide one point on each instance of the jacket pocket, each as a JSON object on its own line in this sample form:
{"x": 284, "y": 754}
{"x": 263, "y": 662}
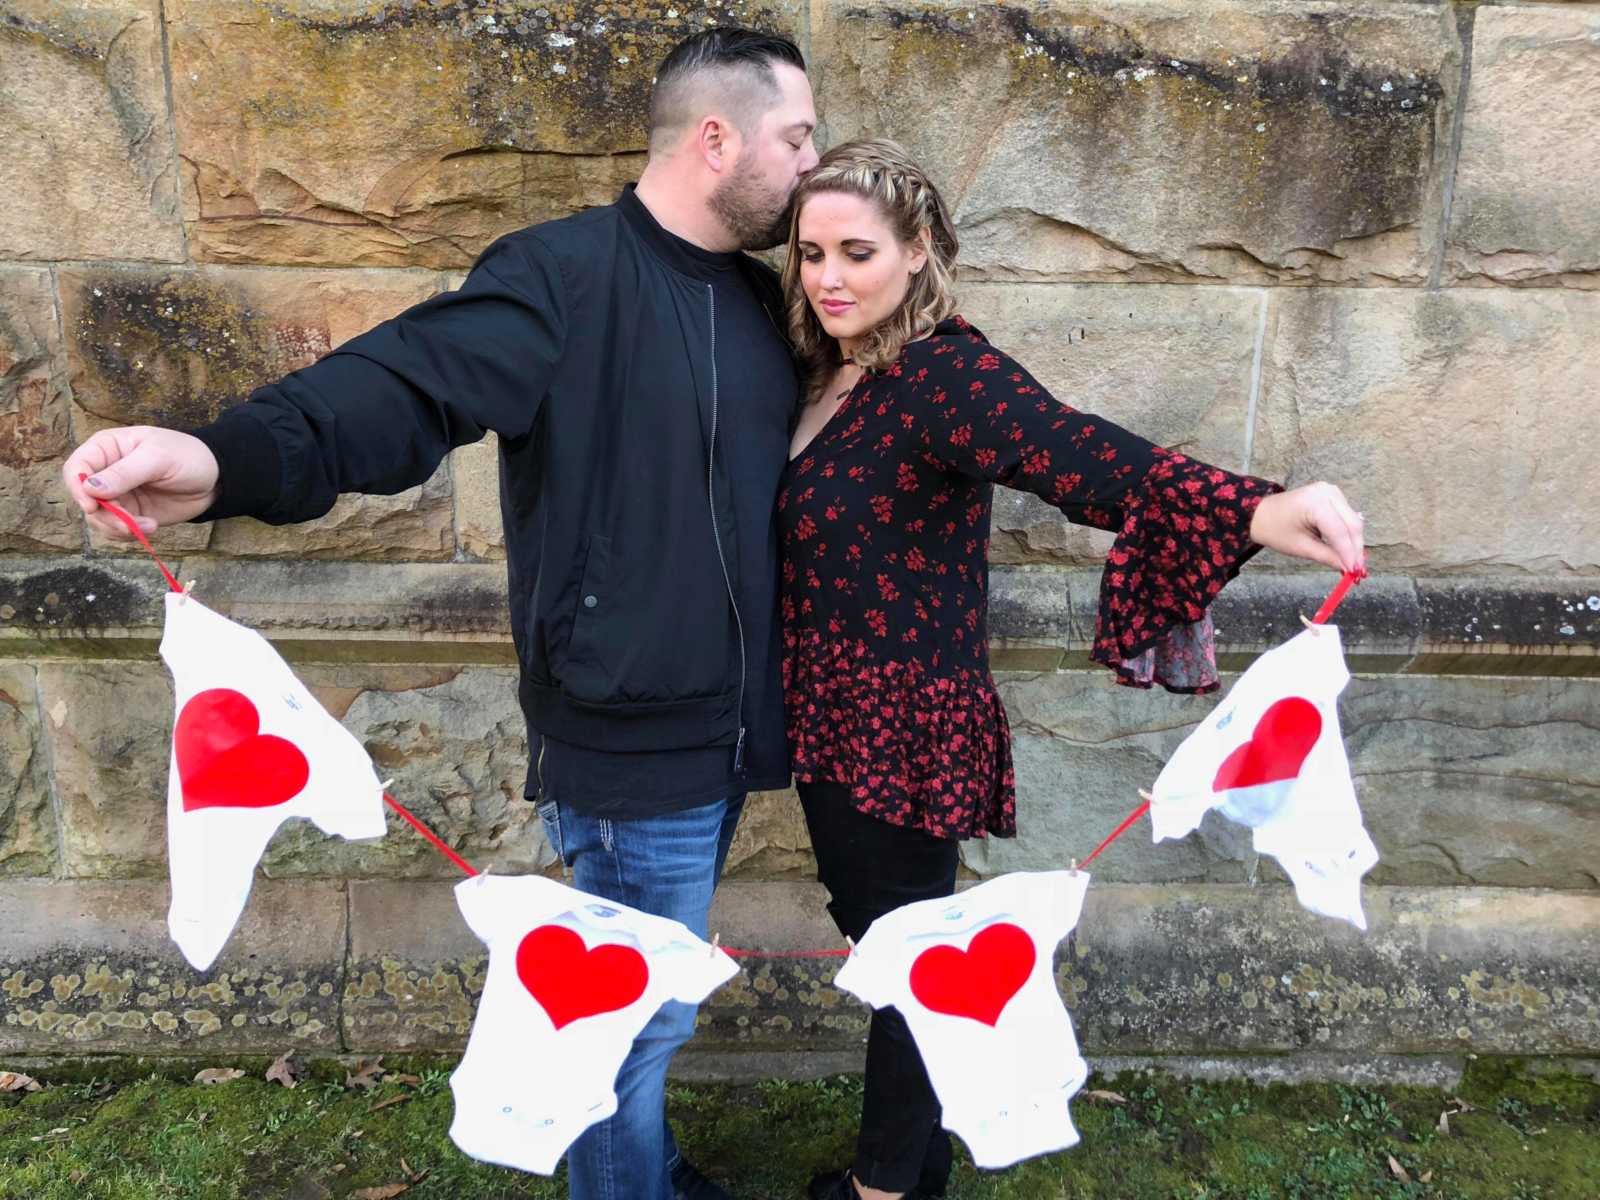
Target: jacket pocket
{"x": 648, "y": 633}
{"x": 588, "y": 677}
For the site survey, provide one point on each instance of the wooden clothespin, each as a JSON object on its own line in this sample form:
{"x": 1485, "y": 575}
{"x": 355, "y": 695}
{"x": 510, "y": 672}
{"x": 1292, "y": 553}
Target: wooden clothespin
{"x": 1074, "y": 866}
{"x": 851, "y": 942}
{"x": 1146, "y": 796}
{"x": 1311, "y": 625}
{"x": 187, "y": 588}
{"x": 716, "y": 940}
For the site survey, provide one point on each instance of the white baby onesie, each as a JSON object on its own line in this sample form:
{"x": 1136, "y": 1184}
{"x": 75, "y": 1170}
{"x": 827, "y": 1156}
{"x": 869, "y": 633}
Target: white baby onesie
{"x": 972, "y": 975}
{"x": 1270, "y": 756}
{"x": 251, "y": 748}
{"x": 572, "y": 980}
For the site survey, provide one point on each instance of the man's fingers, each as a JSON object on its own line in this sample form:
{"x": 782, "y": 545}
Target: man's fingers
{"x": 138, "y": 467}
{"x": 108, "y": 526}
{"x": 88, "y": 460}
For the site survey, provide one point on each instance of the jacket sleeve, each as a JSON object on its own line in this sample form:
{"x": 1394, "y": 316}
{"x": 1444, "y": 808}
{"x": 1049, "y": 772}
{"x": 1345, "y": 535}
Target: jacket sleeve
{"x": 379, "y": 413}
{"x": 1182, "y": 526}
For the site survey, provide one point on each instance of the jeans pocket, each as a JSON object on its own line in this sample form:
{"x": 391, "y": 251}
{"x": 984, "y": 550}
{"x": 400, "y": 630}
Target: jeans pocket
{"x": 550, "y": 815}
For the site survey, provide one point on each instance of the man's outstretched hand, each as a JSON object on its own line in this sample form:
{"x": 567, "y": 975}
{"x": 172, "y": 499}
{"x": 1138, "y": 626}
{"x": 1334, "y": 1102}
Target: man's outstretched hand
{"x": 161, "y": 476}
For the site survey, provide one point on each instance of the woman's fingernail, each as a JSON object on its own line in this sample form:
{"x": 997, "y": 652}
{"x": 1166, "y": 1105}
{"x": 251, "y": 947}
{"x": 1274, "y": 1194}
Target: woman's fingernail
{"x": 95, "y": 482}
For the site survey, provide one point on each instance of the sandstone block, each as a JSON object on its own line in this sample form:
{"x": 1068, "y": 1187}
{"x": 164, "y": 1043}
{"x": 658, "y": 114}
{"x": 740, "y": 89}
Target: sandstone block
{"x": 1451, "y": 418}
{"x": 27, "y": 824}
{"x": 175, "y": 348}
{"x": 35, "y": 424}
{"x": 91, "y": 169}
{"x": 1163, "y": 141}
{"x": 110, "y": 731}
{"x": 410, "y": 135}
{"x": 1529, "y": 168}
{"x": 475, "y": 476}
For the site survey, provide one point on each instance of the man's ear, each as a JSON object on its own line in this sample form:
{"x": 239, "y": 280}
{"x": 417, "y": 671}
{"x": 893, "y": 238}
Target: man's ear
{"x": 718, "y": 142}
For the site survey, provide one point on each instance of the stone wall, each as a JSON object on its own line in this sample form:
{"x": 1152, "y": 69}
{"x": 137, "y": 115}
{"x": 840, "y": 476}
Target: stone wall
{"x": 1334, "y": 238}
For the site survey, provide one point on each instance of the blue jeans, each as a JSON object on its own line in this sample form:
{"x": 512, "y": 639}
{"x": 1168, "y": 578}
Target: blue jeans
{"x": 668, "y": 866}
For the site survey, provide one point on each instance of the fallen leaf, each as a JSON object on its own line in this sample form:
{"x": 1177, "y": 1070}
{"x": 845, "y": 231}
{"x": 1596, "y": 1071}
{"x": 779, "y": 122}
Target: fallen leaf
{"x": 387, "y": 1192}
{"x": 1399, "y": 1171}
{"x": 390, "y": 1102}
{"x": 219, "y": 1075}
{"x": 368, "y": 1072}
{"x": 407, "y": 1080}
{"x": 286, "y": 1069}
{"x": 1462, "y": 1104}
{"x": 1425, "y": 1177}
{"x": 415, "y": 1177}
{"x": 15, "y": 1081}
{"x": 1108, "y": 1097}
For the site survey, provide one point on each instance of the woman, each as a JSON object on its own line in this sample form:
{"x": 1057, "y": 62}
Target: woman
{"x": 899, "y": 742}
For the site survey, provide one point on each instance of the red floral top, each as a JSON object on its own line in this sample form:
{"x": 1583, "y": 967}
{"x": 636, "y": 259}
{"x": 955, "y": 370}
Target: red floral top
{"x": 884, "y": 519}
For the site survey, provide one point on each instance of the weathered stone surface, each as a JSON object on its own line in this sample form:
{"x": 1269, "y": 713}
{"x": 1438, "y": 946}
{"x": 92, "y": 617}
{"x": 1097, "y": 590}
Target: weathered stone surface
{"x": 1173, "y": 364}
{"x": 1262, "y": 141}
{"x": 1217, "y": 969}
{"x": 35, "y": 429}
{"x": 412, "y": 525}
{"x": 447, "y": 127}
{"x": 1478, "y": 781}
{"x": 91, "y": 170}
{"x": 27, "y": 824}
{"x": 457, "y": 752}
{"x": 475, "y": 479}
{"x": 110, "y": 729}
{"x": 1524, "y": 207}
{"x": 402, "y": 600}
{"x": 177, "y": 347}
{"x": 1449, "y": 417}
{"x": 1493, "y": 971}
{"x": 415, "y": 969}
{"x": 1083, "y": 749}
{"x": 772, "y": 841}
{"x": 62, "y": 598}
{"x": 88, "y": 966}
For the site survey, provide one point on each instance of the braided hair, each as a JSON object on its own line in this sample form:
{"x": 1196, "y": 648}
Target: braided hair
{"x": 881, "y": 172}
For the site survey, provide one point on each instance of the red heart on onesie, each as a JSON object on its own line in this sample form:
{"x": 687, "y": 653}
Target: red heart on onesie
{"x": 225, "y": 762}
{"x": 570, "y": 981}
{"x": 977, "y": 982}
{"x": 1276, "y": 750}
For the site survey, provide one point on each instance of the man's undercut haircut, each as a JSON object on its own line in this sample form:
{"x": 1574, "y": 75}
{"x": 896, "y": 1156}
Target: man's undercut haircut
{"x": 723, "y": 70}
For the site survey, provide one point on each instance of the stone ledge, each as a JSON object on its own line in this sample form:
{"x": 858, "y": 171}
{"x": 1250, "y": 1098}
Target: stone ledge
{"x": 88, "y": 966}
{"x": 1197, "y": 972}
{"x": 1041, "y": 618}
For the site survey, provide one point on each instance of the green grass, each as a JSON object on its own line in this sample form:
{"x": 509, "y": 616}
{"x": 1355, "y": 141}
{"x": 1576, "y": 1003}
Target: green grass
{"x": 1527, "y": 1137}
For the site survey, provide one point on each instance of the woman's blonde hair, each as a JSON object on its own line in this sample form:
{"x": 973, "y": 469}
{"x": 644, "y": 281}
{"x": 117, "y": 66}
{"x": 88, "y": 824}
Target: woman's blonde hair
{"x": 881, "y": 172}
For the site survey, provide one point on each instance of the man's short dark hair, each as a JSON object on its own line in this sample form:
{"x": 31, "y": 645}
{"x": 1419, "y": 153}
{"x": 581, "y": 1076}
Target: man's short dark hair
{"x": 736, "y": 62}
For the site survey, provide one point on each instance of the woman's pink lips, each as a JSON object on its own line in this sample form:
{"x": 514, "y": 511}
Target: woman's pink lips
{"x": 835, "y": 307}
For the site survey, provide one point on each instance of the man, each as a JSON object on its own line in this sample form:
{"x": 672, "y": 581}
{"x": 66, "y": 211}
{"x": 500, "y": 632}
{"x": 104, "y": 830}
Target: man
{"x": 631, "y": 360}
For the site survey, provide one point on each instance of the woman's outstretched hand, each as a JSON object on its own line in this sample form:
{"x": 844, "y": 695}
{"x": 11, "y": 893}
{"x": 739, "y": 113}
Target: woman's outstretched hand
{"x": 1314, "y": 522}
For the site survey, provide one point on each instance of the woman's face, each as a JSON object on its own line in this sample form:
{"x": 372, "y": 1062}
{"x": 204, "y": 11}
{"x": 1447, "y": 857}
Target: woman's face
{"x": 854, "y": 270}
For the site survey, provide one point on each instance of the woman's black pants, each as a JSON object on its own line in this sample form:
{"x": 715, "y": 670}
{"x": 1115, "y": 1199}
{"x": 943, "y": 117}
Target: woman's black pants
{"x": 871, "y": 868}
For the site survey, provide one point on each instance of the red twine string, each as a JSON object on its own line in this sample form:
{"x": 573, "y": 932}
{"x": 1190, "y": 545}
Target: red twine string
{"x": 429, "y": 834}
{"x": 116, "y": 510}
{"x": 1336, "y": 597}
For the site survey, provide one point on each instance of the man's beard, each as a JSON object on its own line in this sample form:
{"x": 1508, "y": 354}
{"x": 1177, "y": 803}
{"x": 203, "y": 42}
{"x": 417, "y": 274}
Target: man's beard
{"x": 756, "y": 217}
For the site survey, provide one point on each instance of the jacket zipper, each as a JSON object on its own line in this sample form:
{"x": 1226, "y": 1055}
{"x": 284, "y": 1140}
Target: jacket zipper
{"x": 538, "y": 764}
{"x": 716, "y": 534}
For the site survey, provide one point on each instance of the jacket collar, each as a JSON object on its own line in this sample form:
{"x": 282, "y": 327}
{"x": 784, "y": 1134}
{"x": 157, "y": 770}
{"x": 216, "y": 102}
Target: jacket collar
{"x": 683, "y": 257}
